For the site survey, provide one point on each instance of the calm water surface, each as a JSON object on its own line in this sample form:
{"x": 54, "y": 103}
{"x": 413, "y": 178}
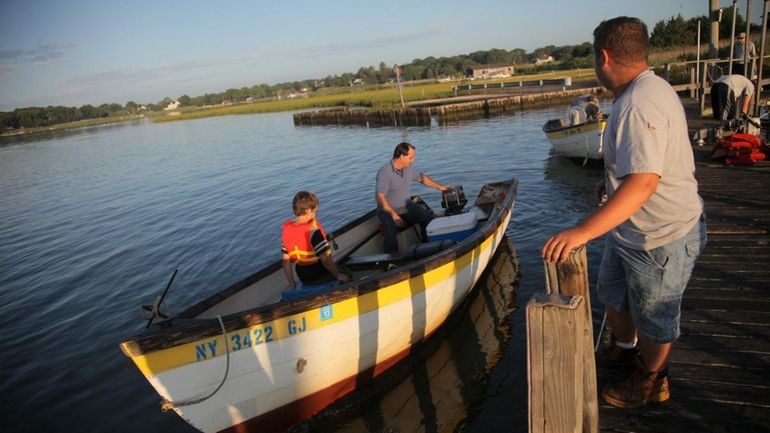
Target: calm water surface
{"x": 93, "y": 223}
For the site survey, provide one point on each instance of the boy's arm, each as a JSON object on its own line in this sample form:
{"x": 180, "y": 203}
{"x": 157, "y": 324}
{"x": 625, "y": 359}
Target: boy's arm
{"x": 328, "y": 261}
{"x": 288, "y": 271}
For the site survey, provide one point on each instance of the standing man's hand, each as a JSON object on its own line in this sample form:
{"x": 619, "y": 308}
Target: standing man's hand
{"x": 560, "y": 245}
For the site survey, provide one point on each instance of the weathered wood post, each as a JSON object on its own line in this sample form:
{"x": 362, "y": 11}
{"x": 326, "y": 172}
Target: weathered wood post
{"x": 704, "y": 85}
{"x": 693, "y": 83}
{"x": 555, "y": 348}
{"x": 560, "y": 337}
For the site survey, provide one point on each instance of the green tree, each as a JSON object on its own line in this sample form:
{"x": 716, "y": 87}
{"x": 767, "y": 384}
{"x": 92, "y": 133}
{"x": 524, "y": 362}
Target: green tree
{"x": 384, "y": 73}
{"x": 672, "y": 33}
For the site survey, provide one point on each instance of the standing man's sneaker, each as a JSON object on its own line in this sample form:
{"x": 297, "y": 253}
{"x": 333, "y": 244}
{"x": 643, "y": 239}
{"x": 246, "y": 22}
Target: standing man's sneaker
{"x": 641, "y": 388}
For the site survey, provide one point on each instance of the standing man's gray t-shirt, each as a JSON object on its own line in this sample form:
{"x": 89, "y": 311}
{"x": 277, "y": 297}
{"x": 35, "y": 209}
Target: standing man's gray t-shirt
{"x": 647, "y": 133}
{"x": 396, "y": 184}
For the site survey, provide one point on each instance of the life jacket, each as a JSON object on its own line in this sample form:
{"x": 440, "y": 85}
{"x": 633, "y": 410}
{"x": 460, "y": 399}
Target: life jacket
{"x": 296, "y": 240}
{"x": 739, "y": 149}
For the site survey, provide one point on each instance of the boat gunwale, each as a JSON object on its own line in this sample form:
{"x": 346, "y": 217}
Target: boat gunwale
{"x": 568, "y": 127}
{"x": 184, "y": 328}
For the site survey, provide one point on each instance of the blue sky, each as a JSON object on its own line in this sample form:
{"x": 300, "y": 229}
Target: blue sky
{"x": 76, "y": 52}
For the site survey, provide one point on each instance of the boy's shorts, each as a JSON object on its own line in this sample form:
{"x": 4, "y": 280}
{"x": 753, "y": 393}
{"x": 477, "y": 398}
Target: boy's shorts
{"x": 649, "y": 283}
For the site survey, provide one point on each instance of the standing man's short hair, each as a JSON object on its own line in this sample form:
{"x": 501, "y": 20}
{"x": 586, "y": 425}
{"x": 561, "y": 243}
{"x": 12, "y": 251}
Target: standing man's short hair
{"x": 303, "y": 202}
{"x": 624, "y": 37}
{"x": 402, "y": 149}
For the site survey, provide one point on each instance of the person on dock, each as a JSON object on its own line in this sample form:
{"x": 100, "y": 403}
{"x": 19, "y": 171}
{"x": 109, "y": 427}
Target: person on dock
{"x": 585, "y": 108}
{"x": 653, "y": 214}
{"x": 304, "y": 243}
{"x": 395, "y": 208}
{"x": 739, "y": 50}
{"x": 728, "y": 93}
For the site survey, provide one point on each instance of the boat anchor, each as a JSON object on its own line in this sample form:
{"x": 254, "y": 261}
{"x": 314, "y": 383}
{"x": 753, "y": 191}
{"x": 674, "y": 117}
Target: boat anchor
{"x": 154, "y": 309}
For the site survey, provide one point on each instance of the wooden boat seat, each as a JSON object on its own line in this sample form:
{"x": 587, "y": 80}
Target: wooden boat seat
{"x": 413, "y": 252}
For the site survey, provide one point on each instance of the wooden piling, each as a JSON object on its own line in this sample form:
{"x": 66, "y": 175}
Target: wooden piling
{"x": 565, "y": 280}
{"x": 556, "y": 343}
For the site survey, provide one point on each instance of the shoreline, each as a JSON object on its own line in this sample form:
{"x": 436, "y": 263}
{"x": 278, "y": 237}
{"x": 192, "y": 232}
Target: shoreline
{"x": 367, "y": 98}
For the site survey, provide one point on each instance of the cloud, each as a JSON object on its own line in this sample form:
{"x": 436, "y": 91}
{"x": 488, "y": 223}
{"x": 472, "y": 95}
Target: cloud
{"x": 366, "y": 44}
{"x": 39, "y": 56}
{"x": 135, "y": 76}
{"x": 348, "y": 46}
{"x": 133, "y": 81}
{"x": 7, "y": 69}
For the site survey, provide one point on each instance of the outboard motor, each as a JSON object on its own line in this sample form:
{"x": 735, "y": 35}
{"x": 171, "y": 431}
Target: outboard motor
{"x": 453, "y": 200}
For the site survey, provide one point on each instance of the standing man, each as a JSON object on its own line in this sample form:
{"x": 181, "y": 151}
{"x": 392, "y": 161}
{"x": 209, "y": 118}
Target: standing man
{"x": 653, "y": 213}
{"x": 739, "y": 49}
{"x": 392, "y": 193}
{"x": 730, "y": 93}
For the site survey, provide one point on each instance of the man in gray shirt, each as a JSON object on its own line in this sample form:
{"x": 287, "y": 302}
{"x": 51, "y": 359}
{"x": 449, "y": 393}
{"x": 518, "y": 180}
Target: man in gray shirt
{"x": 653, "y": 214}
{"x": 392, "y": 193}
{"x": 741, "y": 49}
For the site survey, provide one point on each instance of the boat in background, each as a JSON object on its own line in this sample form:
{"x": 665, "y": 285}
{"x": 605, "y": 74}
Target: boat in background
{"x": 251, "y": 358}
{"x": 582, "y": 141}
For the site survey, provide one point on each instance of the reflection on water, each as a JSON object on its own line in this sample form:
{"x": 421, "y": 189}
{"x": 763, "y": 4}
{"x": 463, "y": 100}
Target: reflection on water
{"x": 439, "y": 386}
{"x": 572, "y": 173}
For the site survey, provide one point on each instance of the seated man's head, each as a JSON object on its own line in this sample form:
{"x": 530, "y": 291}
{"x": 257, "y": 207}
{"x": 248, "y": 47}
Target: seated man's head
{"x": 403, "y": 155}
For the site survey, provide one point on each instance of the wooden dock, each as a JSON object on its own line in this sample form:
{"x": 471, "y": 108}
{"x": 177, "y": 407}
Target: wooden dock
{"x": 444, "y": 111}
{"x": 720, "y": 367}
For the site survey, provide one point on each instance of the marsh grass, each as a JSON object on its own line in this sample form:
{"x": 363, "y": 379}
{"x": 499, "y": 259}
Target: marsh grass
{"x": 375, "y": 98}
{"x": 75, "y": 125}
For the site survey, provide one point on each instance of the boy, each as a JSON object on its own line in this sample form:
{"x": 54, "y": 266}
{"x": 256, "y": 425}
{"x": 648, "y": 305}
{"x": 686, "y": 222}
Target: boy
{"x": 305, "y": 244}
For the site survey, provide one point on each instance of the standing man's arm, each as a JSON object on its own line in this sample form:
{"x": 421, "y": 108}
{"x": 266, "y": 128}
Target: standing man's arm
{"x": 635, "y": 190}
{"x": 427, "y": 181}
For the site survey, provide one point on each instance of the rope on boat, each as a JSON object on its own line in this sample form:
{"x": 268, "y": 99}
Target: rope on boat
{"x": 165, "y": 405}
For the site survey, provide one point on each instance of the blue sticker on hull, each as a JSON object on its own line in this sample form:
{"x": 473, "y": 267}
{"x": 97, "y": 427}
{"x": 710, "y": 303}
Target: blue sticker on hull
{"x": 326, "y": 313}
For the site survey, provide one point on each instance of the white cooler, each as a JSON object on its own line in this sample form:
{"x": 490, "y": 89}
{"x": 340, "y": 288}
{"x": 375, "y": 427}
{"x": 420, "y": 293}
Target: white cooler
{"x": 454, "y": 227}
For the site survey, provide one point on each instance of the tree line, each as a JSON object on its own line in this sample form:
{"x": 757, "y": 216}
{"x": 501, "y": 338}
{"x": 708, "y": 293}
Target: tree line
{"x": 674, "y": 32}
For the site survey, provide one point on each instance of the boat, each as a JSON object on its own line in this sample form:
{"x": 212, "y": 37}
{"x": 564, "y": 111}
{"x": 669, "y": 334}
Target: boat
{"x": 581, "y": 141}
{"x": 249, "y": 357}
{"x": 441, "y": 381}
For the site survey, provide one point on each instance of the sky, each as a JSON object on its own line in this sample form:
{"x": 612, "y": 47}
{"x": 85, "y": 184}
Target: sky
{"x": 76, "y": 52}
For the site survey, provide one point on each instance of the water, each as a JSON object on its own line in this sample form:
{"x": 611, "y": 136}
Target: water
{"x": 93, "y": 223}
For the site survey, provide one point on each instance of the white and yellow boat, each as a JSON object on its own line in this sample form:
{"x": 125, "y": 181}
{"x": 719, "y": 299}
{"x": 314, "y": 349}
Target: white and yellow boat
{"x": 243, "y": 359}
{"x": 581, "y": 141}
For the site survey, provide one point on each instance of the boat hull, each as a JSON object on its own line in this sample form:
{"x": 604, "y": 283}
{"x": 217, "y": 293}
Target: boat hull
{"x": 582, "y": 141}
{"x": 274, "y": 373}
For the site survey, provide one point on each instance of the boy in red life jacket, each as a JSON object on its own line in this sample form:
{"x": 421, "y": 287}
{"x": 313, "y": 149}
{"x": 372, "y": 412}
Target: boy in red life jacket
{"x": 305, "y": 244}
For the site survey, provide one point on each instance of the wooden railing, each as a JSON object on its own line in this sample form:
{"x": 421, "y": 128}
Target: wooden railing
{"x": 700, "y": 81}
{"x": 553, "y": 82}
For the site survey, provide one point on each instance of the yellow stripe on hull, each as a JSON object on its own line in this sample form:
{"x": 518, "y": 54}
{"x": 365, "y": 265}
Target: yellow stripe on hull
{"x": 154, "y": 363}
